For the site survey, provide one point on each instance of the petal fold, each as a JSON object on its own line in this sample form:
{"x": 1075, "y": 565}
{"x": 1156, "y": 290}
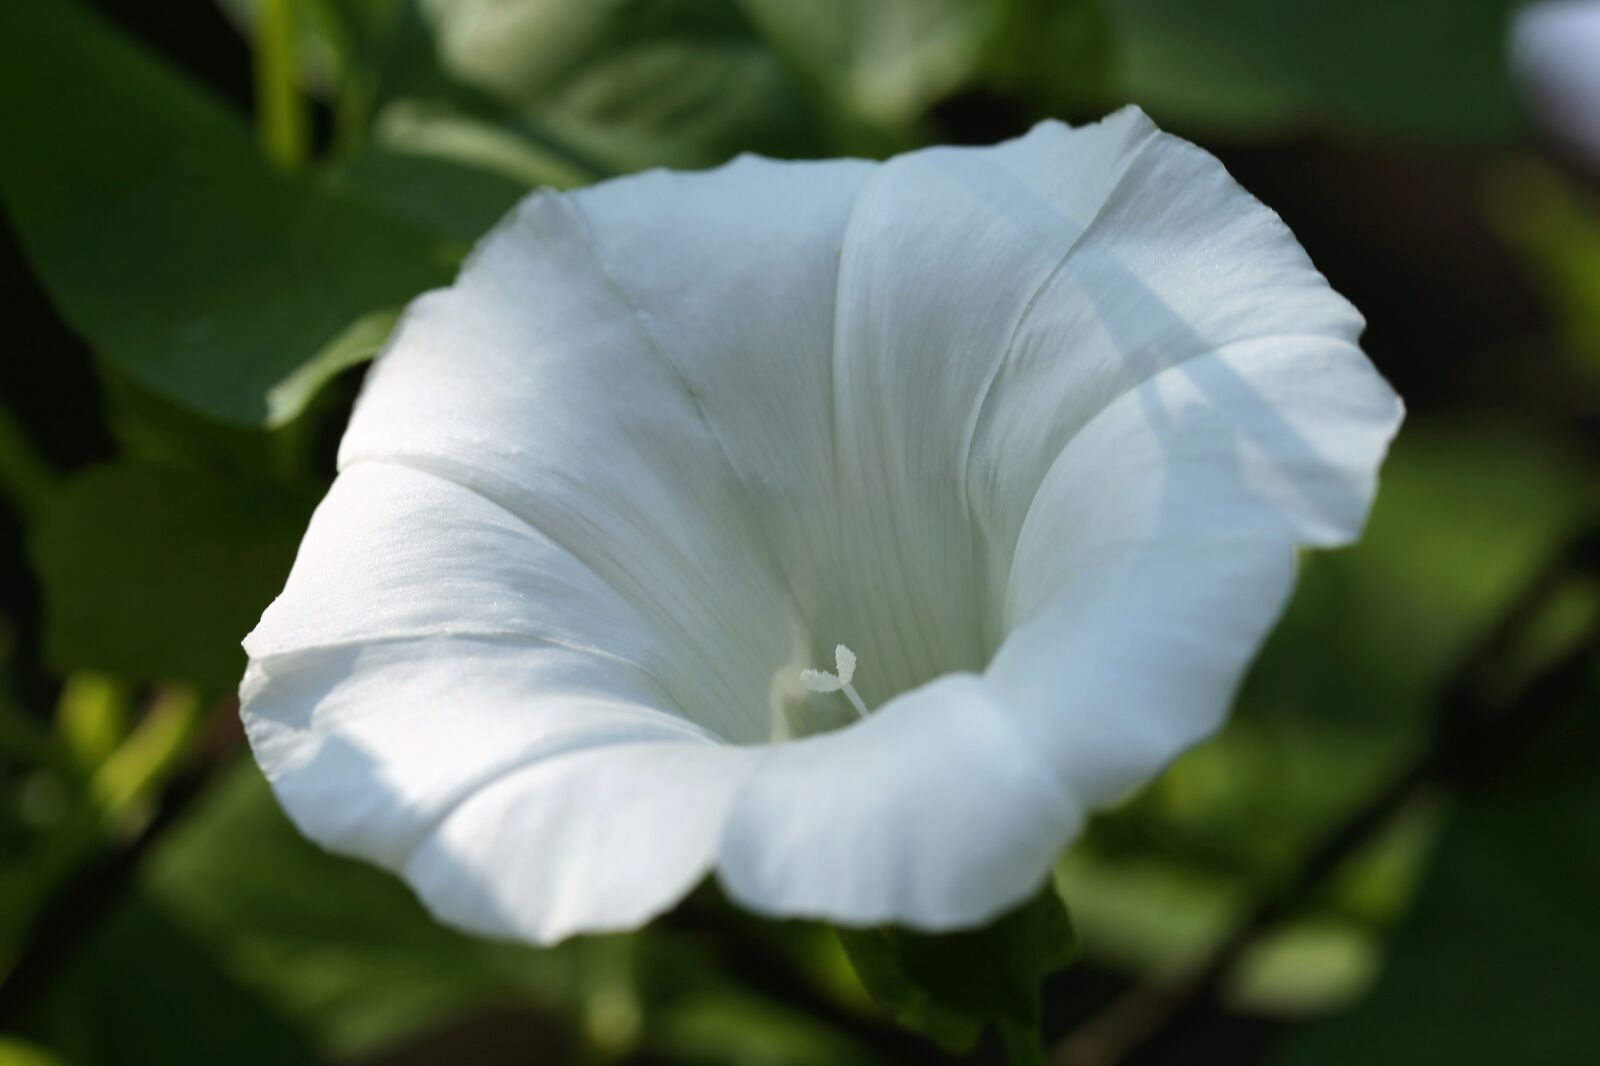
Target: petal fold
{"x": 594, "y": 841}
{"x": 932, "y": 813}
{"x": 1161, "y": 549}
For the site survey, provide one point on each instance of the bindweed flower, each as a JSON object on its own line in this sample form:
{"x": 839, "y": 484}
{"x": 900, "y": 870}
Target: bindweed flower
{"x": 1021, "y": 441}
{"x": 1555, "y": 51}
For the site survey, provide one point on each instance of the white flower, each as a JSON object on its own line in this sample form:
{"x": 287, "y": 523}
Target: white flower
{"x": 1034, "y": 430}
{"x": 1555, "y": 51}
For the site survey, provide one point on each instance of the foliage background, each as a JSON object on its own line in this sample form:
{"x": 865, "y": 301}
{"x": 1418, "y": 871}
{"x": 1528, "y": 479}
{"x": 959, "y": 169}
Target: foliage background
{"x": 213, "y": 213}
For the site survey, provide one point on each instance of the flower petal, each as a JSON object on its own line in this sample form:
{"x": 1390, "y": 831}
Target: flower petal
{"x": 1161, "y": 548}
{"x": 1553, "y": 50}
{"x": 395, "y": 552}
{"x": 417, "y": 613}
{"x": 939, "y": 262}
{"x": 1177, "y": 262}
{"x": 743, "y": 311}
{"x": 538, "y": 383}
{"x": 932, "y": 813}
{"x": 369, "y": 745}
{"x": 996, "y": 300}
{"x": 593, "y": 841}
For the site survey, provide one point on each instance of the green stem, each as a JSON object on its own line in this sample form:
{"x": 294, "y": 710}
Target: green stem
{"x": 359, "y": 76}
{"x": 282, "y": 121}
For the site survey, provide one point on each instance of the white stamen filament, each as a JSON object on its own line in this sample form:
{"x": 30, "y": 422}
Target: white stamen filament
{"x": 844, "y": 661}
{"x": 854, "y": 697}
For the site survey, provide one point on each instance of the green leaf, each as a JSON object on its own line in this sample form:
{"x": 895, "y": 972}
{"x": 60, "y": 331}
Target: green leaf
{"x": 454, "y": 201}
{"x": 168, "y": 241}
{"x": 1340, "y": 696}
{"x": 679, "y": 82}
{"x": 157, "y": 572}
{"x": 1555, "y": 228}
{"x": 949, "y": 985}
{"x": 731, "y": 1026}
{"x": 150, "y": 428}
{"x": 883, "y": 61}
{"x": 1398, "y": 69}
{"x": 1500, "y": 960}
{"x": 483, "y": 138}
{"x": 343, "y": 949}
{"x": 92, "y": 718}
{"x": 143, "y": 992}
{"x": 1055, "y": 53}
{"x": 22, "y": 1053}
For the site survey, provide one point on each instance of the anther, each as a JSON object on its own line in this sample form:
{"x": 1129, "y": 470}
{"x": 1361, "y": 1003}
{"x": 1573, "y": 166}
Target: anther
{"x": 844, "y": 661}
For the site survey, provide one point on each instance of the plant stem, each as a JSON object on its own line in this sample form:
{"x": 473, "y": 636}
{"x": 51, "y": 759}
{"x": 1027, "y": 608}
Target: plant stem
{"x": 282, "y": 121}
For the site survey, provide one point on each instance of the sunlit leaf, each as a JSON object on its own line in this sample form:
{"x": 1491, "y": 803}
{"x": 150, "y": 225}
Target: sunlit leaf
{"x": 680, "y": 83}
{"x": 158, "y": 572}
{"x": 884, "y": 61}
{"x": 165, "y": 238}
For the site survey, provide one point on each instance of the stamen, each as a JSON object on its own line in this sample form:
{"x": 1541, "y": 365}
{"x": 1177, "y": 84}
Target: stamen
{"x": 844, "y": 661}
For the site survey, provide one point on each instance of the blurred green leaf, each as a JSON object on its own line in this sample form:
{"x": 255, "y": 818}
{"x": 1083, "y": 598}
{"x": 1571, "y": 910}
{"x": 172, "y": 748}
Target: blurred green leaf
{"x": 363, "y": 56}
{"x": 158, "y": 572}
{"x": 150, "y": 428}
{"x": 1057, "y": 54}
{"x": 1468, "y": 511}
{"x": 1500, "y": 961}
{"x": 1555, "y": 228}
{"x": 455, "y": 202}
{"x": 22, "y": 1053}
{"x": 739, "y": 1029}
{"x": 151, "y": 755}
{"x": 339, "y": 947}
{"x": 682, "y": 83}
{"x": 949, "y": 985}
{"x": 481, "y": 139}
{"x": 92, "y": 717}
{"x": 143, "y": 992}
{"x": 883, "y": 61}
{"x": 167, "y": 240}
{"x": 346, "y": 952}
{"x": 1412, "y": 70}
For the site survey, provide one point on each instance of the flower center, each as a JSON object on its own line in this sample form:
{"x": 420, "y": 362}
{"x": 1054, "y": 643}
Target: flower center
{"x": 844, "y": 662}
